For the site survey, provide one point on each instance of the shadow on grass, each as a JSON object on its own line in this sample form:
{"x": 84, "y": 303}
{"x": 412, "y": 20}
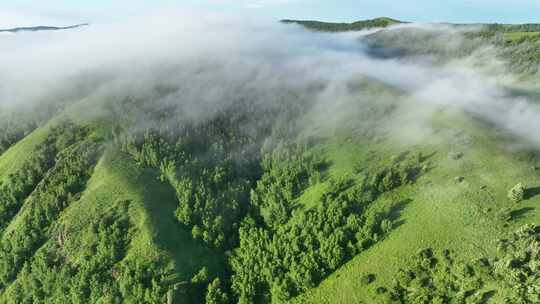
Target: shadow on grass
{"x": 520, "y": 213}
{"x": 532, "y": 192}
{"x": 189, "y": 255}
{"x": 396, "y": 211}
{"x": 427, "y": 157}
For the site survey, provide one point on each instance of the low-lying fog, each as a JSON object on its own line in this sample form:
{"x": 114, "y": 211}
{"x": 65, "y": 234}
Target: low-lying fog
{"x": 209, "y": 59}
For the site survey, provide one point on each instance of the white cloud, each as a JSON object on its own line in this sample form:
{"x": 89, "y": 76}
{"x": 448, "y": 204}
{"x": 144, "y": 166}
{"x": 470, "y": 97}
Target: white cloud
{"x": 210, "y": 58}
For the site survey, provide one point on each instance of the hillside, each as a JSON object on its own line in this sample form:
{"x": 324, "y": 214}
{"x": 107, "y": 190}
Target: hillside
{"x": 41, "y": 28}
{"x": 400, "y": 166}
{"x": 344, "y": 27}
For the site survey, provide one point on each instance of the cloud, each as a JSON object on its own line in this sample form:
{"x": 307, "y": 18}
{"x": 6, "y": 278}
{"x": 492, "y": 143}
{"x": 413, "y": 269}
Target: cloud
{"x": 210, "y": 60}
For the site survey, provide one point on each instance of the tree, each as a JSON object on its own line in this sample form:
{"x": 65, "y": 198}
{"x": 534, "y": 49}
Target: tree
{"x": 517, "y": 193}
{"x": 215, "y": 293}
{"x": 201, "y": 277}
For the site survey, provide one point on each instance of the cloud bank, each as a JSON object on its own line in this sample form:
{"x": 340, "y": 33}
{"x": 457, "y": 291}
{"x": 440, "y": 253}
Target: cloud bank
{"x": 209, "y": 59}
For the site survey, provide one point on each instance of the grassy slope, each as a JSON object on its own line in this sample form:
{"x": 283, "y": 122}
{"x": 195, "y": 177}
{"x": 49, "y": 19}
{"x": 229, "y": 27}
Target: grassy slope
{"x": 16, "y": 155}
{"x": 12, "y": 159}
{"x": 517, "y": 37}
{"x": 117, "y": 177}
{"x": 152, "y": 209}
{"x": 437, "y": 211}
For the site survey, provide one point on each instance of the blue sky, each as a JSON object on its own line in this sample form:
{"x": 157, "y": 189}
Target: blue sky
{"x": 516, "y": 11}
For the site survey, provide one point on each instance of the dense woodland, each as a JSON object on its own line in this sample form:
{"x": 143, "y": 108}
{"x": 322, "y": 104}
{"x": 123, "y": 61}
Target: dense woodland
{"x": 60, "y": 187}
{"x": 241, "y": 193}
{"x": 101, "y": 273}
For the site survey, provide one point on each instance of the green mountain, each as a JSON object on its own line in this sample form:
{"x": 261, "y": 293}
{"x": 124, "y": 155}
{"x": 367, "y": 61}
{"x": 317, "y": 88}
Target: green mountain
{"x": 41, "y": 28}
{"x": 344, "y": 27}
{"x": 134, "y": 200}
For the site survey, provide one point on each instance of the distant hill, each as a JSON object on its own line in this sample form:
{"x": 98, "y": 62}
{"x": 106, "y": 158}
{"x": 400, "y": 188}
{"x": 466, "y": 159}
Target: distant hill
{"x": 41, "y": 28}
{"x": 343, "y": 27}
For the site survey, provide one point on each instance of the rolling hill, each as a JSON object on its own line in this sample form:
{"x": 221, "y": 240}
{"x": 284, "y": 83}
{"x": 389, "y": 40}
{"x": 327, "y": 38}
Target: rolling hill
{"x": 41, "y": 28}
{"x": 363, "y": 190}
{"x": 381, "y": 22}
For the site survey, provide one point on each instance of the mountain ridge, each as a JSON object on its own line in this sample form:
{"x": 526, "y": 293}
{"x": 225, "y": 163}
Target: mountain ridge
{"x": 345, "y": 26}
{"x": 41, "y": 28}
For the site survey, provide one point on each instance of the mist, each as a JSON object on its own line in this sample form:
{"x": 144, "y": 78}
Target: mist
{"x": 208, "y": 61}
